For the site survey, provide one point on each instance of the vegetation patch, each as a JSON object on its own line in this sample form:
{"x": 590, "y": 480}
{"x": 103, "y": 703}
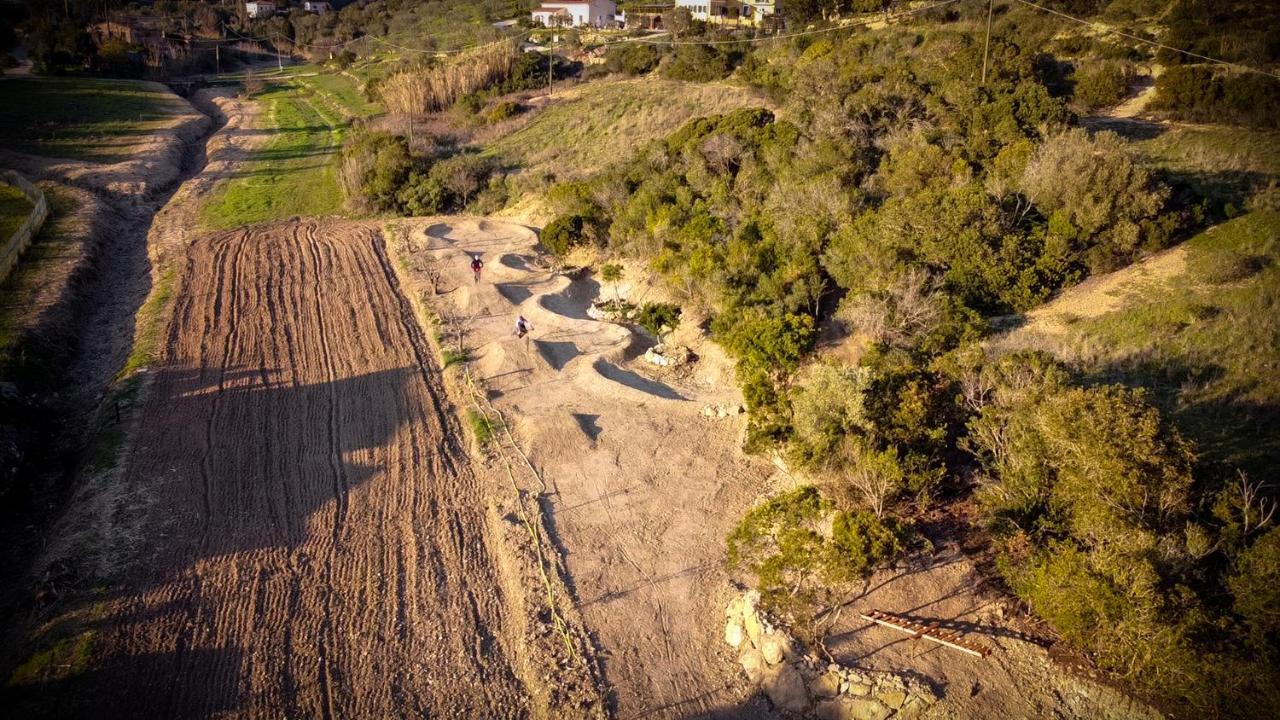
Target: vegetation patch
{"x": 292, "y": 174}
{"x": 82, "y": 118}
{"x": 14, "y": 209}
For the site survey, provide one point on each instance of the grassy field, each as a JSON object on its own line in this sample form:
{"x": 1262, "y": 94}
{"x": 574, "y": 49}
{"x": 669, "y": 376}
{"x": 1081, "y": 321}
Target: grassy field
{"x": 341, "y": 93}
{"x": 14, "y": 208}
{"x": 1206, "y": 343}
{"x": 1217, "y": 161}
{"x": 81, "y": 118}
{"x": 603, "y": 122}
{"x": 292, "y": 174}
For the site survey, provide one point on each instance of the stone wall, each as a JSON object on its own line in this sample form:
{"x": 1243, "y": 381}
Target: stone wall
{"x": 799, "y": 684}
{"x": 11, "y": 248}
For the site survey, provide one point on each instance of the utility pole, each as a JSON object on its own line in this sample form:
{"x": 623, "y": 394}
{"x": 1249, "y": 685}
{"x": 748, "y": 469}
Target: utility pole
{"x": 986, "y": 49}
{"x": 551, "y": 61}
{"x": 217, "y": 56}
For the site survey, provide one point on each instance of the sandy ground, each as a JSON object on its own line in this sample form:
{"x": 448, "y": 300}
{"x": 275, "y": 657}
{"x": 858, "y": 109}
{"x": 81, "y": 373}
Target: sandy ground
{"x": 316, "y": 544}
{"x": 641, "y": 489}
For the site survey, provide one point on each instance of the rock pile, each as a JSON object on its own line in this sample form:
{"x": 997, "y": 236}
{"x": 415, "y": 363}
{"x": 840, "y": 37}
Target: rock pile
{"x": 664, "y": 356}
{"x": 798, "y": 683}
{"x": 722, "y": 411}
{"x": 612, "y": 311}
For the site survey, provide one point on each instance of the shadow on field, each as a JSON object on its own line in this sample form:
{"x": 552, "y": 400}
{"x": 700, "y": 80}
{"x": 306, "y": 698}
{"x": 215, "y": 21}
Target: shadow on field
{"x": 129, "y": 686}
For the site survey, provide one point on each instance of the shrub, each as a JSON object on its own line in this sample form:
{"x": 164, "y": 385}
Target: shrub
{"x": 797, "y": 565}
{"x": 1098, "y": 198}
{"x": 462, "y": 176}
{"x": 1102, "y": 85}
{"x": 698, "y": 63}
{"x": 632, "y": 58}
{"x": 654, "y": 317}
{"x": 562, "y": 234}
{"x": 502, "y": 111}
{"x": 422, "y": 194}
{"x": 373, "y": 167}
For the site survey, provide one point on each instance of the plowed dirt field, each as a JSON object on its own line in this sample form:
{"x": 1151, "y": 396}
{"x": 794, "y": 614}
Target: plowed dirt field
{"x": 318, "y": 546}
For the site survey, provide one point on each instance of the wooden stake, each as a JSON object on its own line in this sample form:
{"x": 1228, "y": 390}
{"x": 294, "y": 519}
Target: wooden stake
{"x": 986, "y": 48}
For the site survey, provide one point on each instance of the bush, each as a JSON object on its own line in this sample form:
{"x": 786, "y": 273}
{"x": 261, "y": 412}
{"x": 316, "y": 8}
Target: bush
{"x": 632, "y": 58}
{"x": 698, "y": 63}
{"x": 1102, "y": 85}
{"x": 1202, "y": 94}
{"x": 422, "y": 194}
{"x": 502, "y": 111}
{"x": 462, "y": 176}
{"x": 656, "y": 316}
{"x": 373, "y": 167}
{"x": 797, "y": 567}
{"x": 562, "y": 234}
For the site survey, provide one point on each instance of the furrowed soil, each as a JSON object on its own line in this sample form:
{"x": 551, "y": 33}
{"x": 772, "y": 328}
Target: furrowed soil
{"x": 316, "y": 544}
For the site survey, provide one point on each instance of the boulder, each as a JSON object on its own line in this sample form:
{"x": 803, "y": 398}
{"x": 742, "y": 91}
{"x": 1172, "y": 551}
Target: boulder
{"x": 734, "y": 633}
{"x": 827, "y": 685}
{"x": 753, "y": 665}
{"x": 776, "y": 647}
{"x": 785, "y": 687}
{"x": 892, "y": 698}
{"x": 751, "y": 623}
{"x": 846, "y": 708}
{"x": 866, "y": 709}
{"x": 734, "y": 609}
{"x": 913, "y": 708}
{"x": 857, "y": 687}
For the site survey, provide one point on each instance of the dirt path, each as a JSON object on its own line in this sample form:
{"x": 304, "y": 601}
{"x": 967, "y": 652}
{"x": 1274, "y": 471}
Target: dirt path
{"x": 641, "y": 489}
{"x": 1092, "y": 298}
{"x": 318, "y": 546}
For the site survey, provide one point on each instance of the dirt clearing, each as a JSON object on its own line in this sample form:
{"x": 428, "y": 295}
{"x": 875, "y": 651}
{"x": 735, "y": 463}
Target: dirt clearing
{"x": 638, "y": 487}
{"x": 316, "y": 545}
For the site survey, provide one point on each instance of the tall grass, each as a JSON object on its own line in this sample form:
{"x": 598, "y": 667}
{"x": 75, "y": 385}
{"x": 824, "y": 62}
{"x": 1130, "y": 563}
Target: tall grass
{"x": 421, "y": 90}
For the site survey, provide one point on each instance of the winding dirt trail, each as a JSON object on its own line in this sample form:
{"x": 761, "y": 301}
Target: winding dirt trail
{"x": 319, "y": 546}
{"x": 638, "y": 487}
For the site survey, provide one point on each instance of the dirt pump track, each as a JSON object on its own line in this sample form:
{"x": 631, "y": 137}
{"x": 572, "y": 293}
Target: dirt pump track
{"x": 320, "y": 546}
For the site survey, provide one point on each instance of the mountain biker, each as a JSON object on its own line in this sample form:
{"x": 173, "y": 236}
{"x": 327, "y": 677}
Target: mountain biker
{"x": 523, "y": 326}
{"x": 476, "y": 266}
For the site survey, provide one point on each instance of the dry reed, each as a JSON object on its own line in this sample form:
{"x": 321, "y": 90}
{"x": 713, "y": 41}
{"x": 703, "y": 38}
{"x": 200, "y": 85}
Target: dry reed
{"x": 422, "y": 90}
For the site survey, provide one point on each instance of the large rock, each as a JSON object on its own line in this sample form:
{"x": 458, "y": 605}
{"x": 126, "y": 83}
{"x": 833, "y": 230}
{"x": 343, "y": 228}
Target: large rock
{"x": 827, "y": 685}
{"x": 775, "y": 646}
{"x": 751, "y": 623}
{"x": 892, "y": 698}
{"x": 847, "y": 708}
{"x": 753, "y": 665}
{"x": 785, "y": 687}
{"x": 734, "y": 633}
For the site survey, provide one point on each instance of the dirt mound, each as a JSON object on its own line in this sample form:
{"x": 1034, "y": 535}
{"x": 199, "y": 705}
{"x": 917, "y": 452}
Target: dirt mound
{"x": 319, "y": 546}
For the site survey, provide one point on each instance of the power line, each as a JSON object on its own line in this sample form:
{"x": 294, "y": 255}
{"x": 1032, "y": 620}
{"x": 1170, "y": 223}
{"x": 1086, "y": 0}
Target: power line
{"x": 1152, "y": 43}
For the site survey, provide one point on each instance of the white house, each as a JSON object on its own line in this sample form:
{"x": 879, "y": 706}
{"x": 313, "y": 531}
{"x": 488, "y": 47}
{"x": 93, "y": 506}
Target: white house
{"x": 260, "y": 8}
{"x": 318, "y": 8}
{"x": 734, "y": 12}
{"x": 583, "y": 13}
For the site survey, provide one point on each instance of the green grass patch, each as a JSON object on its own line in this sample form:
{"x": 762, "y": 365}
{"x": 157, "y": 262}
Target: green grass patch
{"x": 66, "y": 657}
{"x": 602, "y": 122}
{"x": 149, "y": 324}
{"x": 1207, "y": 343}
{"x": 342, "y": 92}
{"x": 1220, "y": 162}
{"x": 82, "y": 118}
{"x": 482, "y": 428}
{"x": 450, "y": 357}
{"x": 56, "y": 242}
{"x": 292, "y": 174}
{"x": 14, "y": 209}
